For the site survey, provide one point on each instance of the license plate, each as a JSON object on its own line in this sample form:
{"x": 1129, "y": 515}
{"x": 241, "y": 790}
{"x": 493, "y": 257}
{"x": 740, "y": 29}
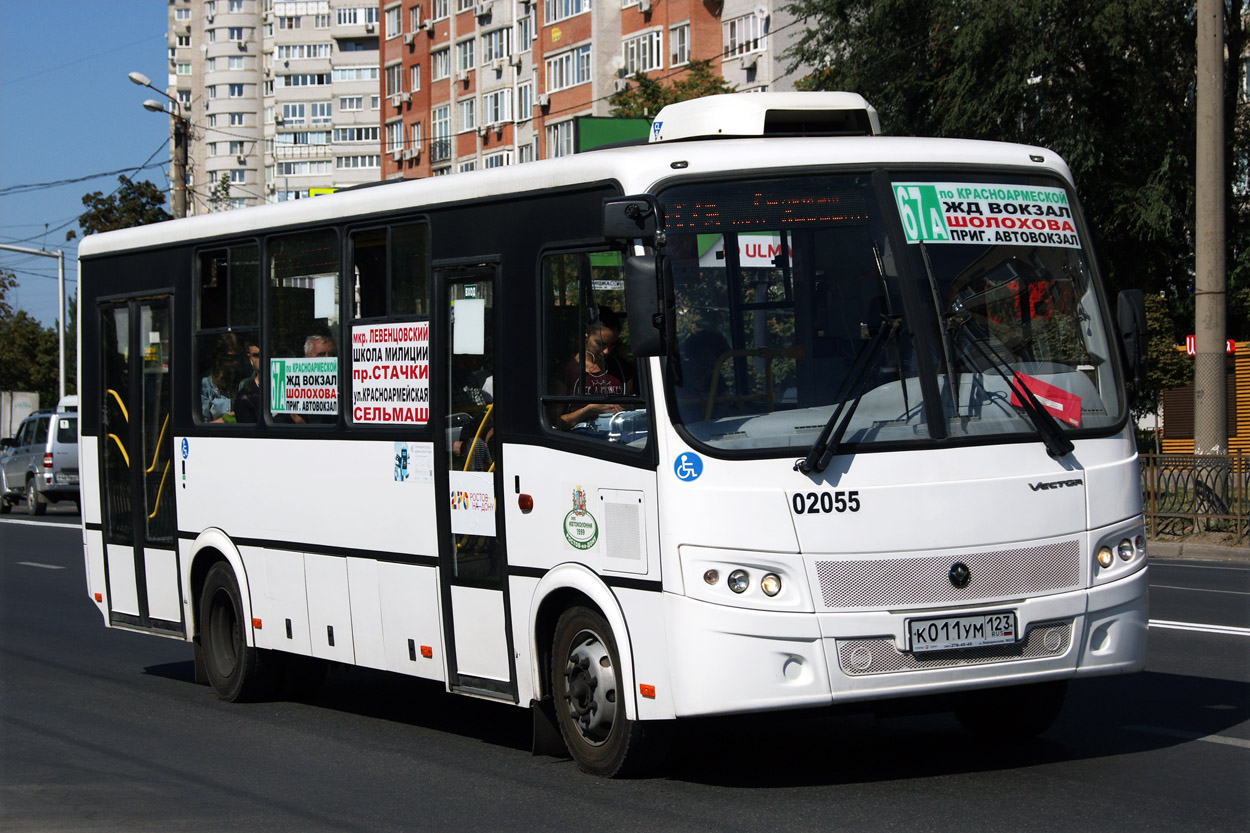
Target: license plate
{"x": 950, "y": 632}
{"x": 67, "y": 478}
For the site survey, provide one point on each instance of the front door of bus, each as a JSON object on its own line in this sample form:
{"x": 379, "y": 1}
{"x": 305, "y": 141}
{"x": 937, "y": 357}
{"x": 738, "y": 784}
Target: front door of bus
{"x": 136, "y": 466}
{"x": 471, "y": 549}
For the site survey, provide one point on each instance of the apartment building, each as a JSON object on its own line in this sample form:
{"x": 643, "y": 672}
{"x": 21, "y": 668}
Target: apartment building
{"x": 473, "y": 84}
{"x": 282, "y": 97}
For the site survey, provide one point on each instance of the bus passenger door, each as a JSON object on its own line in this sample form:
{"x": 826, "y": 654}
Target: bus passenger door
{"x": 136, "y": 466}
{"x": 472, "y": 570}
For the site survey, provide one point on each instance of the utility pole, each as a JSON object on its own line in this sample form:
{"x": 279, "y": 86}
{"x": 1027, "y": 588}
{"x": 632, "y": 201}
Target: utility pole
{"x": 1210, "y": 377}
{"x": 181, "y": 134}
{"x": 60, "y": 313}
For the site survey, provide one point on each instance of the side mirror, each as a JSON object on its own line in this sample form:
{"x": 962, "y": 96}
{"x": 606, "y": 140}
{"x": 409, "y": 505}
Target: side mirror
{"x": 1131, "y": 320}
{"x": 642, "y": 306}
{"x": 632, "y": 218}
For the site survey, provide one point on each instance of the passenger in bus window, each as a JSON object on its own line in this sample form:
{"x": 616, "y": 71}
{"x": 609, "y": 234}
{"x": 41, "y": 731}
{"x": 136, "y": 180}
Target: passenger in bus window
{"x": 604, "y": 372}
{"x": 247, "y": 402}
{"x": 318, "y": 346}
{"x": 216, "y": 403}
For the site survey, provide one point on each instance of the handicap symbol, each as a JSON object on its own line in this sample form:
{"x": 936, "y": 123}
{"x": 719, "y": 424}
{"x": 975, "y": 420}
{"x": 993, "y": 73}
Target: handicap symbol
{"x": 688, "y": 467}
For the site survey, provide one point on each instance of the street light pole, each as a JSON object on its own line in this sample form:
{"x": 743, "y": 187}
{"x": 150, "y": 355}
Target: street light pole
{"x": 181, "y": 134}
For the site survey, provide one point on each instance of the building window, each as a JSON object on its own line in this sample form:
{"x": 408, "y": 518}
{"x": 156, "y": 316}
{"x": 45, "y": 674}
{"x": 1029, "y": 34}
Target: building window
{"x": 184, "y": 69}
{"x": 498, "y": 160}
{"x": 414, "y": 135}
{"x": 496, "y": 45}
{"x": 304, "y": 137}
{"x": 569, "y": 69}
{"x": 497, "y": 107}
{"x": 464, "y": 56}
{"x": 559, "y": 139}
{"x": 357, "y": 73}
{"x": 352, "y": 103}
{"x": 560, "y": 9}
{"x": 312, "y": 167}
{"x": 744, "y": 34}
{"x": 236, "y": 34}
{"x": 236, "y": 119}
{"x": 184, "y": 98}
{"x": 440, "y": 64}
{"x": 525, "y": 100}
{"x": 238, "y": 175}
{"x": 293, "y": 113}
{"x": 375, "y": 102}
{"x": 525, "y": 32}
{"x": 211, "y": 90}
{"x": 394, "y": 79}
{"x": 643, "y": 53}
{"x": 392, "y": 22}
{"x": 440, "y": 134}
{"x": 234, "y": 62}
{"x": 307, "y": 79}
{"x": 355, "y": 134}
{"x": 358, "y": 16}
{"x": 321, "y": 21}
{"x": 320, "y": 112}
{"x": 182, "y": 14}
{"x": 356, "y": 163}
{"x": 525, "y": 152}
{"x": 183, "y": 40}
{"x": 236, "y": 148}
{"x": 394, "y": 136}
{"x": 440, "y": 9}
{"x": 466, "y": 167}
{"x": 468, "y": 114}
{"x": 679, "y": 45}
{"x": 415, "y": 77}
{"x": 300, "y": 51}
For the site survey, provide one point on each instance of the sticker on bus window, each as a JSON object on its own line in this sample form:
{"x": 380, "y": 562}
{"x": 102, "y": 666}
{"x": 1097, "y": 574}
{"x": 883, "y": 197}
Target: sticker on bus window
{"x": 1064, "y": 406}
{"x": 391, "y": 374}
{"x": 304, "y": 386}
{"x": 981, "y": 213}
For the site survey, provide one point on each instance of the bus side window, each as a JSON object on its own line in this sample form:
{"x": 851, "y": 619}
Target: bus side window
{"x": 227, "y": 336}
{"x": 591, "y": 385}
{"x": 302, "y": 330}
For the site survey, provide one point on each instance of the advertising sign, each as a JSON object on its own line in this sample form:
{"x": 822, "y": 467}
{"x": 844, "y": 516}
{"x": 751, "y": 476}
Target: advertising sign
{"x": 391, "y": 373}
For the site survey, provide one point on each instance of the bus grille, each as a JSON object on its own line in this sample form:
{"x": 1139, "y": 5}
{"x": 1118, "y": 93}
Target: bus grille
{"x": 877, "y": 655}
{"x": 897, "y": 582}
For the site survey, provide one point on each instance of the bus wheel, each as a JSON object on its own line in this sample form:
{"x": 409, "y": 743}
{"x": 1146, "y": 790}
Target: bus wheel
{"x": 1013, "y": 714}
{"x": 589, "y": 702}
{"x": 236, "y": 672}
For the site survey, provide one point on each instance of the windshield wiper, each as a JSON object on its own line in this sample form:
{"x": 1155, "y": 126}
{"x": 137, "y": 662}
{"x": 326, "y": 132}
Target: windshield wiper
{"x": 826, "y": 445}
{"x": 1048, "y": 429}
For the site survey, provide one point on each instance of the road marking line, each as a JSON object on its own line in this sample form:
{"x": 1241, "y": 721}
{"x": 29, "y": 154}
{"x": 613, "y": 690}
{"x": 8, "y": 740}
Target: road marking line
{"x": 37, "y": 564}
{"x": 22, "y": 522}
{"x": 1169, "y": 565}
{"x": 1200, "y": 589}
{"x": 1179, "y": 733}
{"x": 1194, "y": 626}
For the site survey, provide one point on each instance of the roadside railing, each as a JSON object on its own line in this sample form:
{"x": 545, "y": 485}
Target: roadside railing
{"x": 1187, "y": 494}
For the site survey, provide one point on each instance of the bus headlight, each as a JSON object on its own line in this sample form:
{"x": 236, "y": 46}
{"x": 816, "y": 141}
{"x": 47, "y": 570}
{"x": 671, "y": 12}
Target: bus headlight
{"x": 1105, "y": 557}
{"x": 739, "y": 581}
{"x": 1125, "y": 550}
{"x": 771, "y": 584}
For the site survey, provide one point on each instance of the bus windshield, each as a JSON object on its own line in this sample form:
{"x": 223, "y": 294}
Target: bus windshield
{"x": 935, "y": 308}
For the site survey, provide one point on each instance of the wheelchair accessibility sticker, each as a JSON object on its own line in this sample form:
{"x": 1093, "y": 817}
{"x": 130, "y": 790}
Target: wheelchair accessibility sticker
{"x": 688, "y": 467}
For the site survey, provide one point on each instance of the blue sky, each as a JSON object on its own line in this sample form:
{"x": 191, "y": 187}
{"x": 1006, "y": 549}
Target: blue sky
{"x": 67, "y": 111}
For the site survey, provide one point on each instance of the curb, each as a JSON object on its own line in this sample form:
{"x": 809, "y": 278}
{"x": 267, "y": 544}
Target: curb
{"x": 1184, "y": 551}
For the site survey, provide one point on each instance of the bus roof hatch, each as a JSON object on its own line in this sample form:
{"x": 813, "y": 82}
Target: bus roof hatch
{"x": 766, "y": 114}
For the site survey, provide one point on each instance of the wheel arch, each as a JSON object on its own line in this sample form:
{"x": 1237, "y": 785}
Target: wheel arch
{"x": 210, "y": 547}
{"x": 563, "y": 587}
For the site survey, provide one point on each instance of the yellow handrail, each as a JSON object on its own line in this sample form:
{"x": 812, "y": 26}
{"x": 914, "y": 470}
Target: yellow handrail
{"x": 157, "y": 450}
{"x": 120, "y": 404}
{"x": 121, "y": 448}
{"x": 468, "y": 455}
{"x": 160, "y": 490}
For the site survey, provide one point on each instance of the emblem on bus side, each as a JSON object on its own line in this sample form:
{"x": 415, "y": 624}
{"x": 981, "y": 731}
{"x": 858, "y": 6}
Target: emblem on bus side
{"x": 580, "y": 528}
{"x": 688, "y": 467}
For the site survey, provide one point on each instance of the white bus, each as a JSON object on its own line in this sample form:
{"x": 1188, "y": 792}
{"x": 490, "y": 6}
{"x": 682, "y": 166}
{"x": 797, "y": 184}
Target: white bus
{"x": 769, "y": 412}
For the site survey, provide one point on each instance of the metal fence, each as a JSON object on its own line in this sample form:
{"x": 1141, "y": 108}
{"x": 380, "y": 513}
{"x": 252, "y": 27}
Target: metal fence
{"x": 1187, "y": 494}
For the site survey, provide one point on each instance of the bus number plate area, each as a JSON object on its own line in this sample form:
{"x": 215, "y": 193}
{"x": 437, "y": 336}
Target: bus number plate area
{"x": 951, "y": 632}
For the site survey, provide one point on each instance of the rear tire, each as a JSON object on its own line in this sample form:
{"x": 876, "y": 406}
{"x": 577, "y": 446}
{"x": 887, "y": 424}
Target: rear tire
{"x": 35, "y": 504}
{"x": 237, "y": 672}
{"x": 1009, "y": 715}
{"x": 590, "y": 702}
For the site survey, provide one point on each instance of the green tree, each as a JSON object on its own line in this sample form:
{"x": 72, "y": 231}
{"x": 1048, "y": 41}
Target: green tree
{"x": 28, "y": 350}
{"x": 132, "y": 204}
{"x": 645, "y": 96}
{"x": 1107, "y": 84}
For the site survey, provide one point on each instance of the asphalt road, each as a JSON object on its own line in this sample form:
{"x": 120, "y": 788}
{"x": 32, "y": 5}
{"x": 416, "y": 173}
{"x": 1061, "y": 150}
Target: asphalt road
{"x": 105, "y": 730}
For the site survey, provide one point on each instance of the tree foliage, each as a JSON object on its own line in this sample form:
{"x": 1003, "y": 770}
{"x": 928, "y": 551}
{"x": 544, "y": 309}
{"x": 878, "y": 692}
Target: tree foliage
{"x": 28, "y": 350}
{"x": 645, "y": 96}
{"x": 1107, "y": 84}
{"x": 132, "y": 204}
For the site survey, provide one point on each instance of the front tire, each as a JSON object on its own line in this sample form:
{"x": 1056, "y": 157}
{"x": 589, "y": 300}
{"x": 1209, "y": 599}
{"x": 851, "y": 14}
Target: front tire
{"x": 237, "y": 672}
{"x": 35, "y": 504}
{"x": 590, "y": 700}
{"x": 1013, "y": 714}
